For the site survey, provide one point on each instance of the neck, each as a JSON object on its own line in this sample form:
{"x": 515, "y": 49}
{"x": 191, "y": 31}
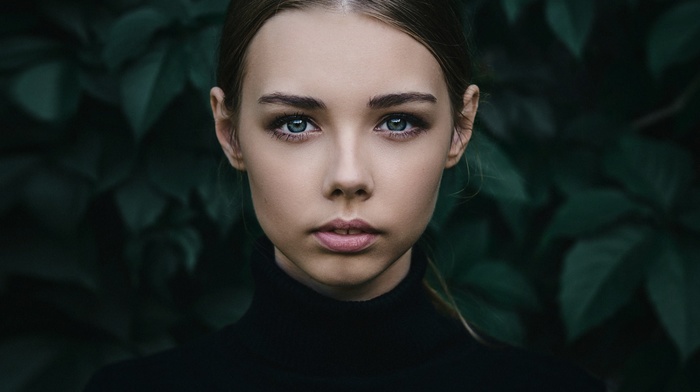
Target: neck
{"x": 296, "y": 327}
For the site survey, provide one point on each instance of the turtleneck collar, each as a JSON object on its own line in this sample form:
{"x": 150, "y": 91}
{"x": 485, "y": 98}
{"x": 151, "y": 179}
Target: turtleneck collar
{"x": 296, "y": 328}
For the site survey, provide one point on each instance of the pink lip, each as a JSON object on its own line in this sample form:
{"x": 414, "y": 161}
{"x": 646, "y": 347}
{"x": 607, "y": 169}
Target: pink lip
{"x": 361, "y": 235}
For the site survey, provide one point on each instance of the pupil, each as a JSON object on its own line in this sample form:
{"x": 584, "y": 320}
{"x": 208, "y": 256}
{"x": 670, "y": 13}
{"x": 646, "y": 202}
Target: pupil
{"x": 396, "y": 124}
{"x": 296, "y": 126}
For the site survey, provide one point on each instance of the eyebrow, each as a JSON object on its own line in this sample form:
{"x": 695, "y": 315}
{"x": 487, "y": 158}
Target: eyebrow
{"x": 389, "y": 100}
{"x": 377, "y": 102}
{"x": 298, "y": 101}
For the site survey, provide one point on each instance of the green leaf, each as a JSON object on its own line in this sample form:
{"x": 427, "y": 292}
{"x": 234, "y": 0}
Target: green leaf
{"x": 674, "y": 37}
{"x": 201, "y": 54}
{"x": 209, "y": 7}
{"x": 13, "y": 167}
{"x": 57, "y": 199}
{"x": 42, "y": 256}
{"x": 139, "y": 204}
{"x": 13, "y": 171}
{"x": 492, "y": 115}
{"x": 452, "y": 186}
{"x": 673, "y": 284}
{"x": 179, "y": 10}
{"x": 150, "y": 85}
{"x": 588, "y": 211}
{"x": 462, "y": 243}
{"x": 574, "y": 170}
{"x": 594, "y": 130}
{"x": 493, "y": 173}
{"x": 600, "y": 275}
{"x": 657, "y": 171}
{"x": 82, "y": 155}
{"x": 516, "y": 215}
{"x": 501, "y": 324}
{"x": 691, "y": 219}
{"x": 571, "y": 21}
{"x": 19, "y": 52}
{"x": 157, "y": 255}
{"x": 49, "y": 91}
{"x": 118, "y": 155}
{"x": 70, "y": 16}
{"x": 501, "y": 284}
{"x": 649, "y": 368}
{"x": 222, "y": 200}
{"x": 131, "y": 34}
{"x": 513, "y": 8}
{"x": 101, "y": 85}
{"x": 177, "y": 172}
{"x": 189, "y": 242}
{"x": 67, "y": 371}
{"x": 540, "y": 116}
{"x": 22, "y": 358}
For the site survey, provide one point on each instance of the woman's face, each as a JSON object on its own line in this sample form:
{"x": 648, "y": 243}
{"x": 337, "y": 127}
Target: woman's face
{"x": 344, "y": 129}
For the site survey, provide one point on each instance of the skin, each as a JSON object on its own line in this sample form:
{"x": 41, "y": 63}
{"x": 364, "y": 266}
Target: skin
{"x": 348, "y": 164}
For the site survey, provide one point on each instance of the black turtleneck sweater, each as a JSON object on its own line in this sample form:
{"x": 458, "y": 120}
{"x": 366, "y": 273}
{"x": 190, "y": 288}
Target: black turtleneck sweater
{"x": 294, "y": 339}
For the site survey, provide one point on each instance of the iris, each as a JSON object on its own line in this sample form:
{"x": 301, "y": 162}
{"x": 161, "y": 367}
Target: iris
{"x": 297, "y": 125}
{"x": 396, "y": 124}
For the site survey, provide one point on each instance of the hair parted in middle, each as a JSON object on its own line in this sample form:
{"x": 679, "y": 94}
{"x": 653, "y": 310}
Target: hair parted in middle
{"x": 434, "y": 23}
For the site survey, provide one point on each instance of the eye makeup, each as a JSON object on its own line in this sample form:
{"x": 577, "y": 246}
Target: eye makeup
{"x": 413, "y": 126}
{"x": 298, "y": 127}
{"x": 285, "y": 127}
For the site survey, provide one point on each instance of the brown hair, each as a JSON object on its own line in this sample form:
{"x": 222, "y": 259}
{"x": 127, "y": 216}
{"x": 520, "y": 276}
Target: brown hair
{"x": 435, "y": 24}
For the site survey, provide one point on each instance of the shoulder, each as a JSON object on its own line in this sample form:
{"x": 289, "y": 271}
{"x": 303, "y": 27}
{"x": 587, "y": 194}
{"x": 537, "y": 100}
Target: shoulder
{"x": 514, "y": 369}
{"x": 180, "y": 369}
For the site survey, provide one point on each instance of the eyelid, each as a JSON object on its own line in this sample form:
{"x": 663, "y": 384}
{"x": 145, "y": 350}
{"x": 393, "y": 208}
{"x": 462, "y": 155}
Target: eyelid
{"x": 418, "y": 126}
{"x": 417, "y": 122}
{"x": 274, "y": 127}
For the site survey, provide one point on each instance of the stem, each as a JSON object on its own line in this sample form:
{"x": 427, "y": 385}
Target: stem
{"x": 670, "y": 110}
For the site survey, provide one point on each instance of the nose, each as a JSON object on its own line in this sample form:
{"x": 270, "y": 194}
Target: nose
{"x": 348, "y": 173}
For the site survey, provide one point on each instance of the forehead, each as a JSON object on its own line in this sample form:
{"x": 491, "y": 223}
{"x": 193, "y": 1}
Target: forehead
{"x": 324, "y": 53}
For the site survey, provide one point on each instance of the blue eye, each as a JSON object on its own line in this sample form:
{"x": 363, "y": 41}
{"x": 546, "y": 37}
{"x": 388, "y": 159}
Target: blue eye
{"x": 396, "y": 124}
{"x": 402, "y": 126}
{"x": 297, "y": 125}
{"x": 292, "y": 127}
{"x": 401, "y": 123}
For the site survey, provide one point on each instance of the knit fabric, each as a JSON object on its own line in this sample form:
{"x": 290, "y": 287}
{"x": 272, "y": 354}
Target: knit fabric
{"x": 294, "y": 339}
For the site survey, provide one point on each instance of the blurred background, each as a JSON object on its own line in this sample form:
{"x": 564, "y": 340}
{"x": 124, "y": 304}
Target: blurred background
{"x": 573, "y": 227}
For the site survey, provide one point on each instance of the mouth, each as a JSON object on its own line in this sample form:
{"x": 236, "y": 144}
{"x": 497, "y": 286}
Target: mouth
{"x": 342, "y": 236}
{"x": 343, "y": 227}
{"x": 347, "y": 231}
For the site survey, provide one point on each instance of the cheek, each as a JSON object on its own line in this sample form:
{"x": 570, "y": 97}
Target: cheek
{"x": 413, "y": 183}
{"x": 282, "y": 183}
{"x": 277, "y": 192}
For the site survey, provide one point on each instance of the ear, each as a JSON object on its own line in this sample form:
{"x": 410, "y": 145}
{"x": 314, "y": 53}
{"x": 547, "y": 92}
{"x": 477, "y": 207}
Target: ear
{"x": 463, "y": 126}
{"x": 225, "y": 132}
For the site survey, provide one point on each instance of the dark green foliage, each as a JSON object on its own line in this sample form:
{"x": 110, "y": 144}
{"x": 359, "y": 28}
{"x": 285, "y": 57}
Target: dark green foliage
{"x": 573, "y": 227}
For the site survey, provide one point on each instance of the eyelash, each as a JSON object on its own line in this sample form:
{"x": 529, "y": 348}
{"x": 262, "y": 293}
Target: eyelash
{"x": 283, "y": 120}
{"x": 419, "y": 126}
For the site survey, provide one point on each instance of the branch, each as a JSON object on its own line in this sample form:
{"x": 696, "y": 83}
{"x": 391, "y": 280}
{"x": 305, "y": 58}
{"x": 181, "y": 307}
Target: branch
{"x": 670, "y": 110}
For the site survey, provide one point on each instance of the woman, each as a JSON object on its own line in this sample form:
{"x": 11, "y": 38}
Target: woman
{"x": 344, "y": 115}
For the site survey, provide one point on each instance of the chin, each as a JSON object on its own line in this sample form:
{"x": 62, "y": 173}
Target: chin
{"x": 349, "y": 279}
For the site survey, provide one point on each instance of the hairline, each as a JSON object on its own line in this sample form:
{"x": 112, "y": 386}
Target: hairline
{"x": 343, "y": 7}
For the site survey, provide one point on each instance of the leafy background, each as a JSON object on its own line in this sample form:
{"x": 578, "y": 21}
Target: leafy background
{"x": 573, "y": 228}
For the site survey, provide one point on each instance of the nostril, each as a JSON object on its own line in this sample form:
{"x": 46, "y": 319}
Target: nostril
{"x": 361, "y": 192}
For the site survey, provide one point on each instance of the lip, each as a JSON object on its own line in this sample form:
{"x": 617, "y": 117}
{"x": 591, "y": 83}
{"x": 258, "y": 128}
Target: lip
{"x": 343, "y": 236}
